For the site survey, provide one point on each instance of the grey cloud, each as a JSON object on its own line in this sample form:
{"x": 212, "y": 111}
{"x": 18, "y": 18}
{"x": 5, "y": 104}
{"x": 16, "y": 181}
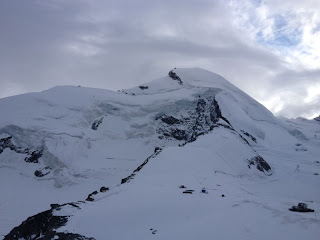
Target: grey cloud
{"x": 296, "y": 82}
{"x": 293, "y": 109}
{"x": 120, "y": 44}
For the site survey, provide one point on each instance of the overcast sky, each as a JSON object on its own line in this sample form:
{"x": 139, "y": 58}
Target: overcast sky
{"x": 269, "y": 49}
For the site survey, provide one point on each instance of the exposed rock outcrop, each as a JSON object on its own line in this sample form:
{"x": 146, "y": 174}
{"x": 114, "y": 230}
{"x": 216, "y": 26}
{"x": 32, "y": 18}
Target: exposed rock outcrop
{"x": 169, "y": 120}
{"x": 131, "y": 176}
{"x": 174, "y": 76}
{"x": 260, "y": 164}
{"x": 249, "y": 135}
{"x": 90, "y": 198}
{"x": 206, "y": 116}
{"x": 6, "y": 142}
{"x": 34, "y": 156}
{"x": 104, "y": 189}
{"x": 43, "y": 226}
{"x": 143, "y": 87}
{"x": 42, "y": 172}
{"x": 96, "y": 123}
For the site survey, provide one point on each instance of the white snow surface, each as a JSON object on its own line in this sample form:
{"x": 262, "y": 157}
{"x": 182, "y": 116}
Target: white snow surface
{"x": 81, "y": 160}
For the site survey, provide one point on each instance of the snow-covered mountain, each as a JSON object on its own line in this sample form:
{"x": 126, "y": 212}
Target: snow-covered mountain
{"x": 110, "y": 163}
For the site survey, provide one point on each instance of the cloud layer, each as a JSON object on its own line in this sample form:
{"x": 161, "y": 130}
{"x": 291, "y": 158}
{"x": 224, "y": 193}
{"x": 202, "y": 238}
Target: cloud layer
{"x": 270, "y": 49}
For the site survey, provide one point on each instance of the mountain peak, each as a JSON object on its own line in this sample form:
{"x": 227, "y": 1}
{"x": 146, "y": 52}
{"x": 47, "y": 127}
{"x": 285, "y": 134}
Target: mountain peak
{"x": 178, "y": 78}
{"x": 191, "y": 127}
{"x": 199, "y": 77}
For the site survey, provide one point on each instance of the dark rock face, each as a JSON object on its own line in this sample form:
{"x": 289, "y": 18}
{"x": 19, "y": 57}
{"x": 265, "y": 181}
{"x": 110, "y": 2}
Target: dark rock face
{"x": 260, "y": 164}
{"x": 250, "y": 136}
{"x": 34, "y": 158}
{"x": 42, "y": 172}
{"x": 143, "y": 87}
{"x": 215, "y": 113}
{"x": 169, "y": 120}
{"x": 201, "y": 120}
{"x": 7, "y": 143}
{"x": 302, "y": 207}
{"x": 43, "y": 226}
{"x": 317, "y": 118}
{"x": 131, "y": 176}
{"x": 156, "y": 149}
{"x": 174, "y": 76}
{"x": 96, "y": 123}
{"x": 54, "y": 206}
{"x": 188, "y": 192}
{"x": 178, "y": 134}
{"x": 104, "y": 189}
{"x": 90, "y": 198}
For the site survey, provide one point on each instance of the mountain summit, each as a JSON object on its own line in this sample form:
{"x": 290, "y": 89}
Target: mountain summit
{"x": 109, "y": 160}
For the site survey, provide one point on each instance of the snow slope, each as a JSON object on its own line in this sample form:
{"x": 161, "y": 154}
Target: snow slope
{"x": 254, "y": 207}
{"x": 61, "y": 144}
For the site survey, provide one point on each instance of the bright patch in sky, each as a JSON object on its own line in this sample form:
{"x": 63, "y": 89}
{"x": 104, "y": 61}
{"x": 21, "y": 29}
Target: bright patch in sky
{"x": 293, "y": 32}
{"x": 313, "y": 93}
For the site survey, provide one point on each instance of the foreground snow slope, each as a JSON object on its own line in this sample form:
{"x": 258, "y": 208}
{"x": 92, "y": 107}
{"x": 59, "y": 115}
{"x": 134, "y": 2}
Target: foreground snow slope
{"x": 254, "y": 207}
{"x": 59, "y": 145}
